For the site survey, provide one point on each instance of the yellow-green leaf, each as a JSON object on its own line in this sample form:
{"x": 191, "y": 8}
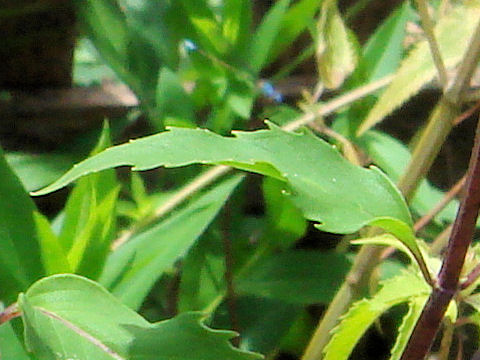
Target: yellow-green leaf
{"x": 336, "y": 57}
{"x": 453, "y": 33}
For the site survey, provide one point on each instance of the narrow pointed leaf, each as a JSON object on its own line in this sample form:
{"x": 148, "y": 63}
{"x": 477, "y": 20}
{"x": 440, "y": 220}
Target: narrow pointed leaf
{"x": 132, "y": 270}
{"x": 362, "y": 315}
{"x": 409, "y": 321}
{"x": 53, "y": 254}
{"x": 453, "y": 33}
{"x": 265, "y": 35}
{"x": 323, "y": 185}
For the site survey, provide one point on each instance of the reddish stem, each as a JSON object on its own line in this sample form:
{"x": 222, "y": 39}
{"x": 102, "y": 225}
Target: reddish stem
{"x": 448, "y": 277}
{"x": 9, "y": 313}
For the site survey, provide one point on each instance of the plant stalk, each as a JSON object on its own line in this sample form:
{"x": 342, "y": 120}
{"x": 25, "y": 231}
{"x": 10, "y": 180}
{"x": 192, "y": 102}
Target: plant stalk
{"x": 449, "y": 275}
{"x": 426, "y": 150}
{"x": 428, "y": 27}
{"x": 369, "y": 256}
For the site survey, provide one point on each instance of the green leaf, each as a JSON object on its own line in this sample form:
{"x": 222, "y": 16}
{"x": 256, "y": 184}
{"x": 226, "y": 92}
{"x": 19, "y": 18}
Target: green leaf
{"x": 405, "y": 241}
{"x": 323, "y": 185}
{"x": 202, "y": 278}
{"x": 203, "y": 20}
{"x": 380, "y": 56}
{"x": 362, "y": 314}
{"x": 453, "y": 33}
{"x": 89, "y": 218}
{"x": 286, "y": 223}
{"x": 54, "y": 255}
{"x": 10, "y": 345}
{"x": 106, "y": 26}
{"x": 91, "y": 247}
{"x": 184, "y": 338}
{"x": 38, "y": 170}
{"x": 151, "y": 253}
{"x": 264, "y": 323}
{"x": 20, "y": 255}
{"x": 88, "y": 192}
{"x": 67, "y": 316}
{"x": 335, "y": 52}
{"x": 236, "y": 24}
{"x": 171, "y": 98}
{"x": 265, "y": 35}
{"x": 409, "y": 321}
{"x": 296, "y": 20}
{"x": 392, "y": 156}
{"x": 296, "y": 277}
{"x": 384, "y": 49}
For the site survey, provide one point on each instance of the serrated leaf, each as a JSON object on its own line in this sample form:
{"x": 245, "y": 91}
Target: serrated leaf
{"x": 70, "y": 317}
{"x": 185, "y": 337}
{"x": 362, "y": 314}
{"x": 409, "y": 321}
{"x": 453, "y": 33}
{"x": 264, "y": 323}
{"x": 296, "y": 277}
{"x": 323, "y": 185}
{"x": 152, "y": 252}
{"x": 335, "y": 52}
{"x": 265, "y": 35}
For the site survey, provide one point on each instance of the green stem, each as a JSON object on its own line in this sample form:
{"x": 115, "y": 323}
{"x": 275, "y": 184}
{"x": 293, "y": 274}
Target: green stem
{"x": 426, "y": 150}
{"x": 427, "y": 25}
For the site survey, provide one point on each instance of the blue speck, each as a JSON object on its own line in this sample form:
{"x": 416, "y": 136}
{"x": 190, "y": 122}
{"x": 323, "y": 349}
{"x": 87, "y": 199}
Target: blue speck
{"x": 270, "y": 92}
{"x": 189, "y": 45}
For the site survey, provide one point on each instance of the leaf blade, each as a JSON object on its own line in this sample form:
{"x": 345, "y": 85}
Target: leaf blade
{"x": 317, "y": 175}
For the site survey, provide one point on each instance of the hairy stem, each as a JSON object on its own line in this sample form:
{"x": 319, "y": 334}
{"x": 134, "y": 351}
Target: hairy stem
{"x": 449, "y": 275}
{"x": 427, "y": 25}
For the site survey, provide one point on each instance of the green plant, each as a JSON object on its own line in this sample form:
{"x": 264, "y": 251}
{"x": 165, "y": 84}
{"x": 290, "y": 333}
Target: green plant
{"x": 77, "y": 281}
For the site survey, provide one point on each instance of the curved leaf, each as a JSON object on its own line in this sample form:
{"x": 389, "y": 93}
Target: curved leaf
{"x": 409, "y": 321}
{"x": 363, "y": 314}
{"x": 323, "y": 185}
